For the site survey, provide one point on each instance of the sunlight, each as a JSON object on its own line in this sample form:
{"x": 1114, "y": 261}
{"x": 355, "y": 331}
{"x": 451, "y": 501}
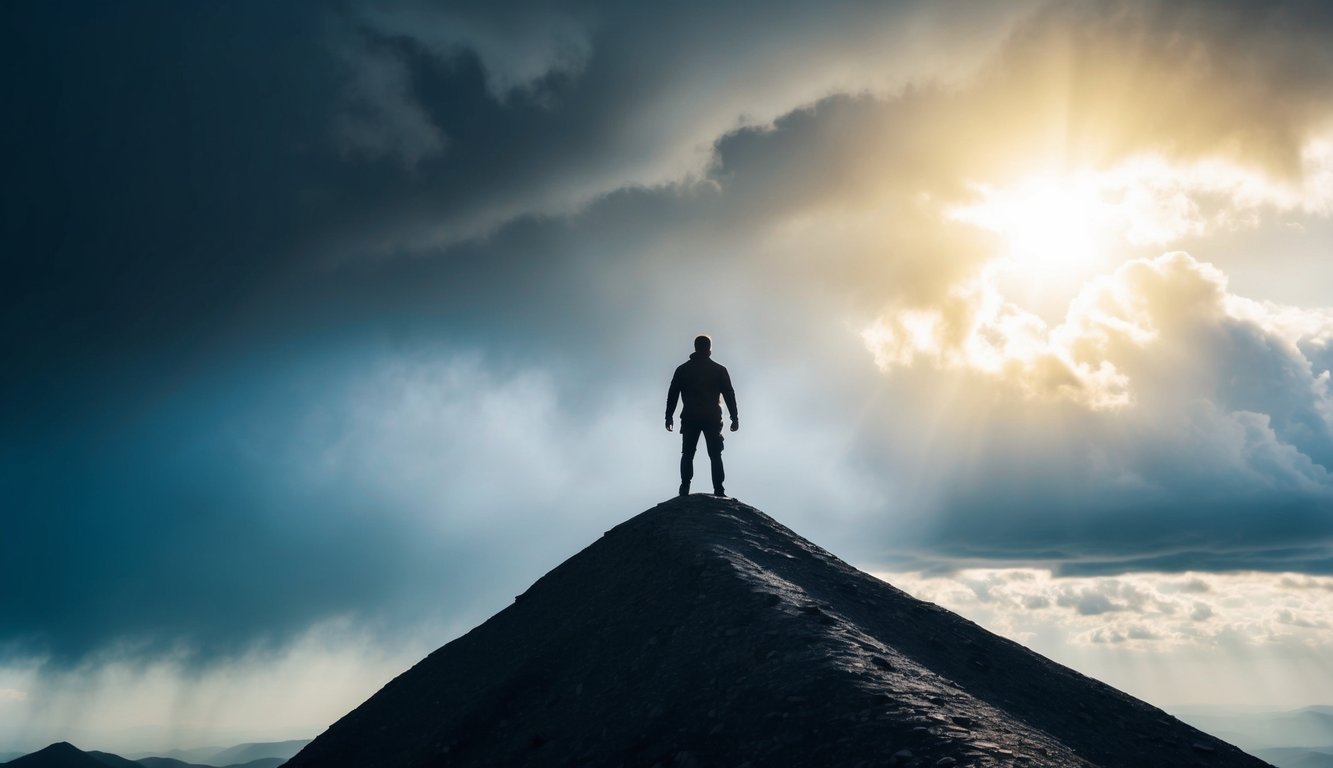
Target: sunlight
{"x": 1058, "y": 287}
{"x": 1051, "y": 225}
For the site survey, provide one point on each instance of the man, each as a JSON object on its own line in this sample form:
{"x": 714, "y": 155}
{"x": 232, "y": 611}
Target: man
{"x": 699, "y": 382}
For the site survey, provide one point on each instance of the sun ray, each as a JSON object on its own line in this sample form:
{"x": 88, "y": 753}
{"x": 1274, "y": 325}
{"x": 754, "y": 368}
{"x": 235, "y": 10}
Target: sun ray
{"x": 1050, "y": 224}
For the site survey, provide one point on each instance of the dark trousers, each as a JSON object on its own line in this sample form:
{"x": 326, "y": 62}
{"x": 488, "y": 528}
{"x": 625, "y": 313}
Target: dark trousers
{"x": 689, "y": 440}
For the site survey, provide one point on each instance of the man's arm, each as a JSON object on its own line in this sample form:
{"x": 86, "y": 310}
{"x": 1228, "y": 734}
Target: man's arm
{"x": 673, "y": 395}
{"x": 729, "y": 395}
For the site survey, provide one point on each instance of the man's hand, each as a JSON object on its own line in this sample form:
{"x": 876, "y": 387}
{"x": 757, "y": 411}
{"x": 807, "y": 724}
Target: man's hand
{"x": 735, "y": 424}
{"x": 669, "y": 423}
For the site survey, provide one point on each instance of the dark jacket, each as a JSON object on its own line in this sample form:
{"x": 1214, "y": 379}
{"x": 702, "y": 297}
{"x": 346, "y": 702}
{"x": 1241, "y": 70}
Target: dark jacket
{"x": 699, "y": 382}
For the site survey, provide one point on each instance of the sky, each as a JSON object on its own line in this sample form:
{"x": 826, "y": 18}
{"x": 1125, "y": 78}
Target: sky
{"x": 331, "y": 326}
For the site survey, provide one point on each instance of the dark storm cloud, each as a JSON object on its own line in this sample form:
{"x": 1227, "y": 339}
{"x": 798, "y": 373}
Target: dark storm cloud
{"x": 174, "y": 161}
{"x": 235, "y": 514}
{"x": 196, "y": 155}
{"x": 127, "y": 474}
{"x": 157, "y": 159}
{"x": 218, "y": 215}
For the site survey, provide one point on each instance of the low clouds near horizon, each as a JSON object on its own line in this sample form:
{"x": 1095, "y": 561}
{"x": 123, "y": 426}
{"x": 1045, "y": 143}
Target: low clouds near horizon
{"x": 365, "y": 313}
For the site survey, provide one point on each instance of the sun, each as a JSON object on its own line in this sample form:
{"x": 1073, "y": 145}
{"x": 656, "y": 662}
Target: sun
{"x": 1051, "y": 226}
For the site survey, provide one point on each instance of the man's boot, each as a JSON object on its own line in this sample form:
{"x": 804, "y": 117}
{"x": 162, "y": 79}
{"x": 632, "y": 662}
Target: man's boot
{"x": 685, "y": 488}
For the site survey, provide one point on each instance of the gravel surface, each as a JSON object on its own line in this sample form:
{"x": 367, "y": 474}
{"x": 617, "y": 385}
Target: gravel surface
{"x": 704, "y": 633}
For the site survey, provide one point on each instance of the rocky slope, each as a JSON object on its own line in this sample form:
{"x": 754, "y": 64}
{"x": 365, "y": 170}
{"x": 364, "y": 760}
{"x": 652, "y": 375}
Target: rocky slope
{"x": 702, "y": 632}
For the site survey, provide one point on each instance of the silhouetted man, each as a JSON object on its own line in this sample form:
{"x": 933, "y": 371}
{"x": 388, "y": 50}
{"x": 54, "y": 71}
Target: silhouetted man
{"x": 699, "y": 382}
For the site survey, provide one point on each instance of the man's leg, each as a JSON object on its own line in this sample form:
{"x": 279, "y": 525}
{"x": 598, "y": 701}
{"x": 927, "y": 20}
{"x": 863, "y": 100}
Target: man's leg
{"x": 689, "y": 441}
{"x": 713, "y": 437}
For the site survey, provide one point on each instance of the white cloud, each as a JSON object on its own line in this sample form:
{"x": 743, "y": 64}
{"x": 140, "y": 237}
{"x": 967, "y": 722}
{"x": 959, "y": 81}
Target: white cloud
{"x": 1162, "y": 330}
{"x": 1144, "y": 611}
{"x": 1081, "y": 233}
{"x": 440, "y": 438}
{"x": 1157, "y": 202}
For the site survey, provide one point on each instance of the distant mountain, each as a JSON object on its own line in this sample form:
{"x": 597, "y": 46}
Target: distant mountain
{"x": 234, "y": 755}
{"x": 245, "y": 753}
{"x": 167, "y": 762}
{"x": 59, "y": 755}
{"x": 171, "y": 762}
{"x": 1298, "y": 757}
{"x": 194, "y": 756}
{"x": 191, "y": 756}
{"x": 65, "y": 755}
{"x": 703, "y": 633}
{"x": 263, "y": 762}
{"x": 112, "y": 761}
{"x": 1309, "y": 727}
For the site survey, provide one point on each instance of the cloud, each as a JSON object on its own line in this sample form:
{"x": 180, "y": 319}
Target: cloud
{"x": 578, "y": 102}
{"x": 1204, "y": 434}
{"x": 310, "y": 379}
{"x": 375, "y": 499}
{"x": 397, "y": 489}
{"x": 517, "y": 48}
{"x": 382, "y": 116}
{"x": 1116, "y": 329}
{"x": 156, "y": 705}
{"x": 1145, "y": 612}
{"x": 547, "y": 112}
{"x": 1189, "y": 78}
{"x": 1093, "y": 604}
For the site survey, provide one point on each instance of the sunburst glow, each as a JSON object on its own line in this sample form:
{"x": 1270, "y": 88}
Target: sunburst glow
{"x": 1051, "y": 225}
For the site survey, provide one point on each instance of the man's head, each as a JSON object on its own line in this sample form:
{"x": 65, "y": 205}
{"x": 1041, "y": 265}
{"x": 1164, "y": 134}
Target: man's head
{"x": 703, "y": 344}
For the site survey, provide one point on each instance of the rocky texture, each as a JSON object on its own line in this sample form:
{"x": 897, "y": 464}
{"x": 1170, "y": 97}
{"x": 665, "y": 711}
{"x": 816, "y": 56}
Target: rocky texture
{"x": 703, "y": 633}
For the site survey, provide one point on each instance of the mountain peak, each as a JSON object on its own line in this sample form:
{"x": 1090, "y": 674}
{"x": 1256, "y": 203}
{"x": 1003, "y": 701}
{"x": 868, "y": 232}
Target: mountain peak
{"x": 61, "y": 754}
{"x": 703, "y": 632}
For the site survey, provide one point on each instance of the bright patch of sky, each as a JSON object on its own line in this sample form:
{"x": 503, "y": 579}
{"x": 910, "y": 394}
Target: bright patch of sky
{"x": 1192, "y": 638}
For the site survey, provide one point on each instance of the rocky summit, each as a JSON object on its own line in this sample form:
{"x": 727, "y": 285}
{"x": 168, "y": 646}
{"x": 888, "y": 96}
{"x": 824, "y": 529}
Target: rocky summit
{"x": 704, "y": 633}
